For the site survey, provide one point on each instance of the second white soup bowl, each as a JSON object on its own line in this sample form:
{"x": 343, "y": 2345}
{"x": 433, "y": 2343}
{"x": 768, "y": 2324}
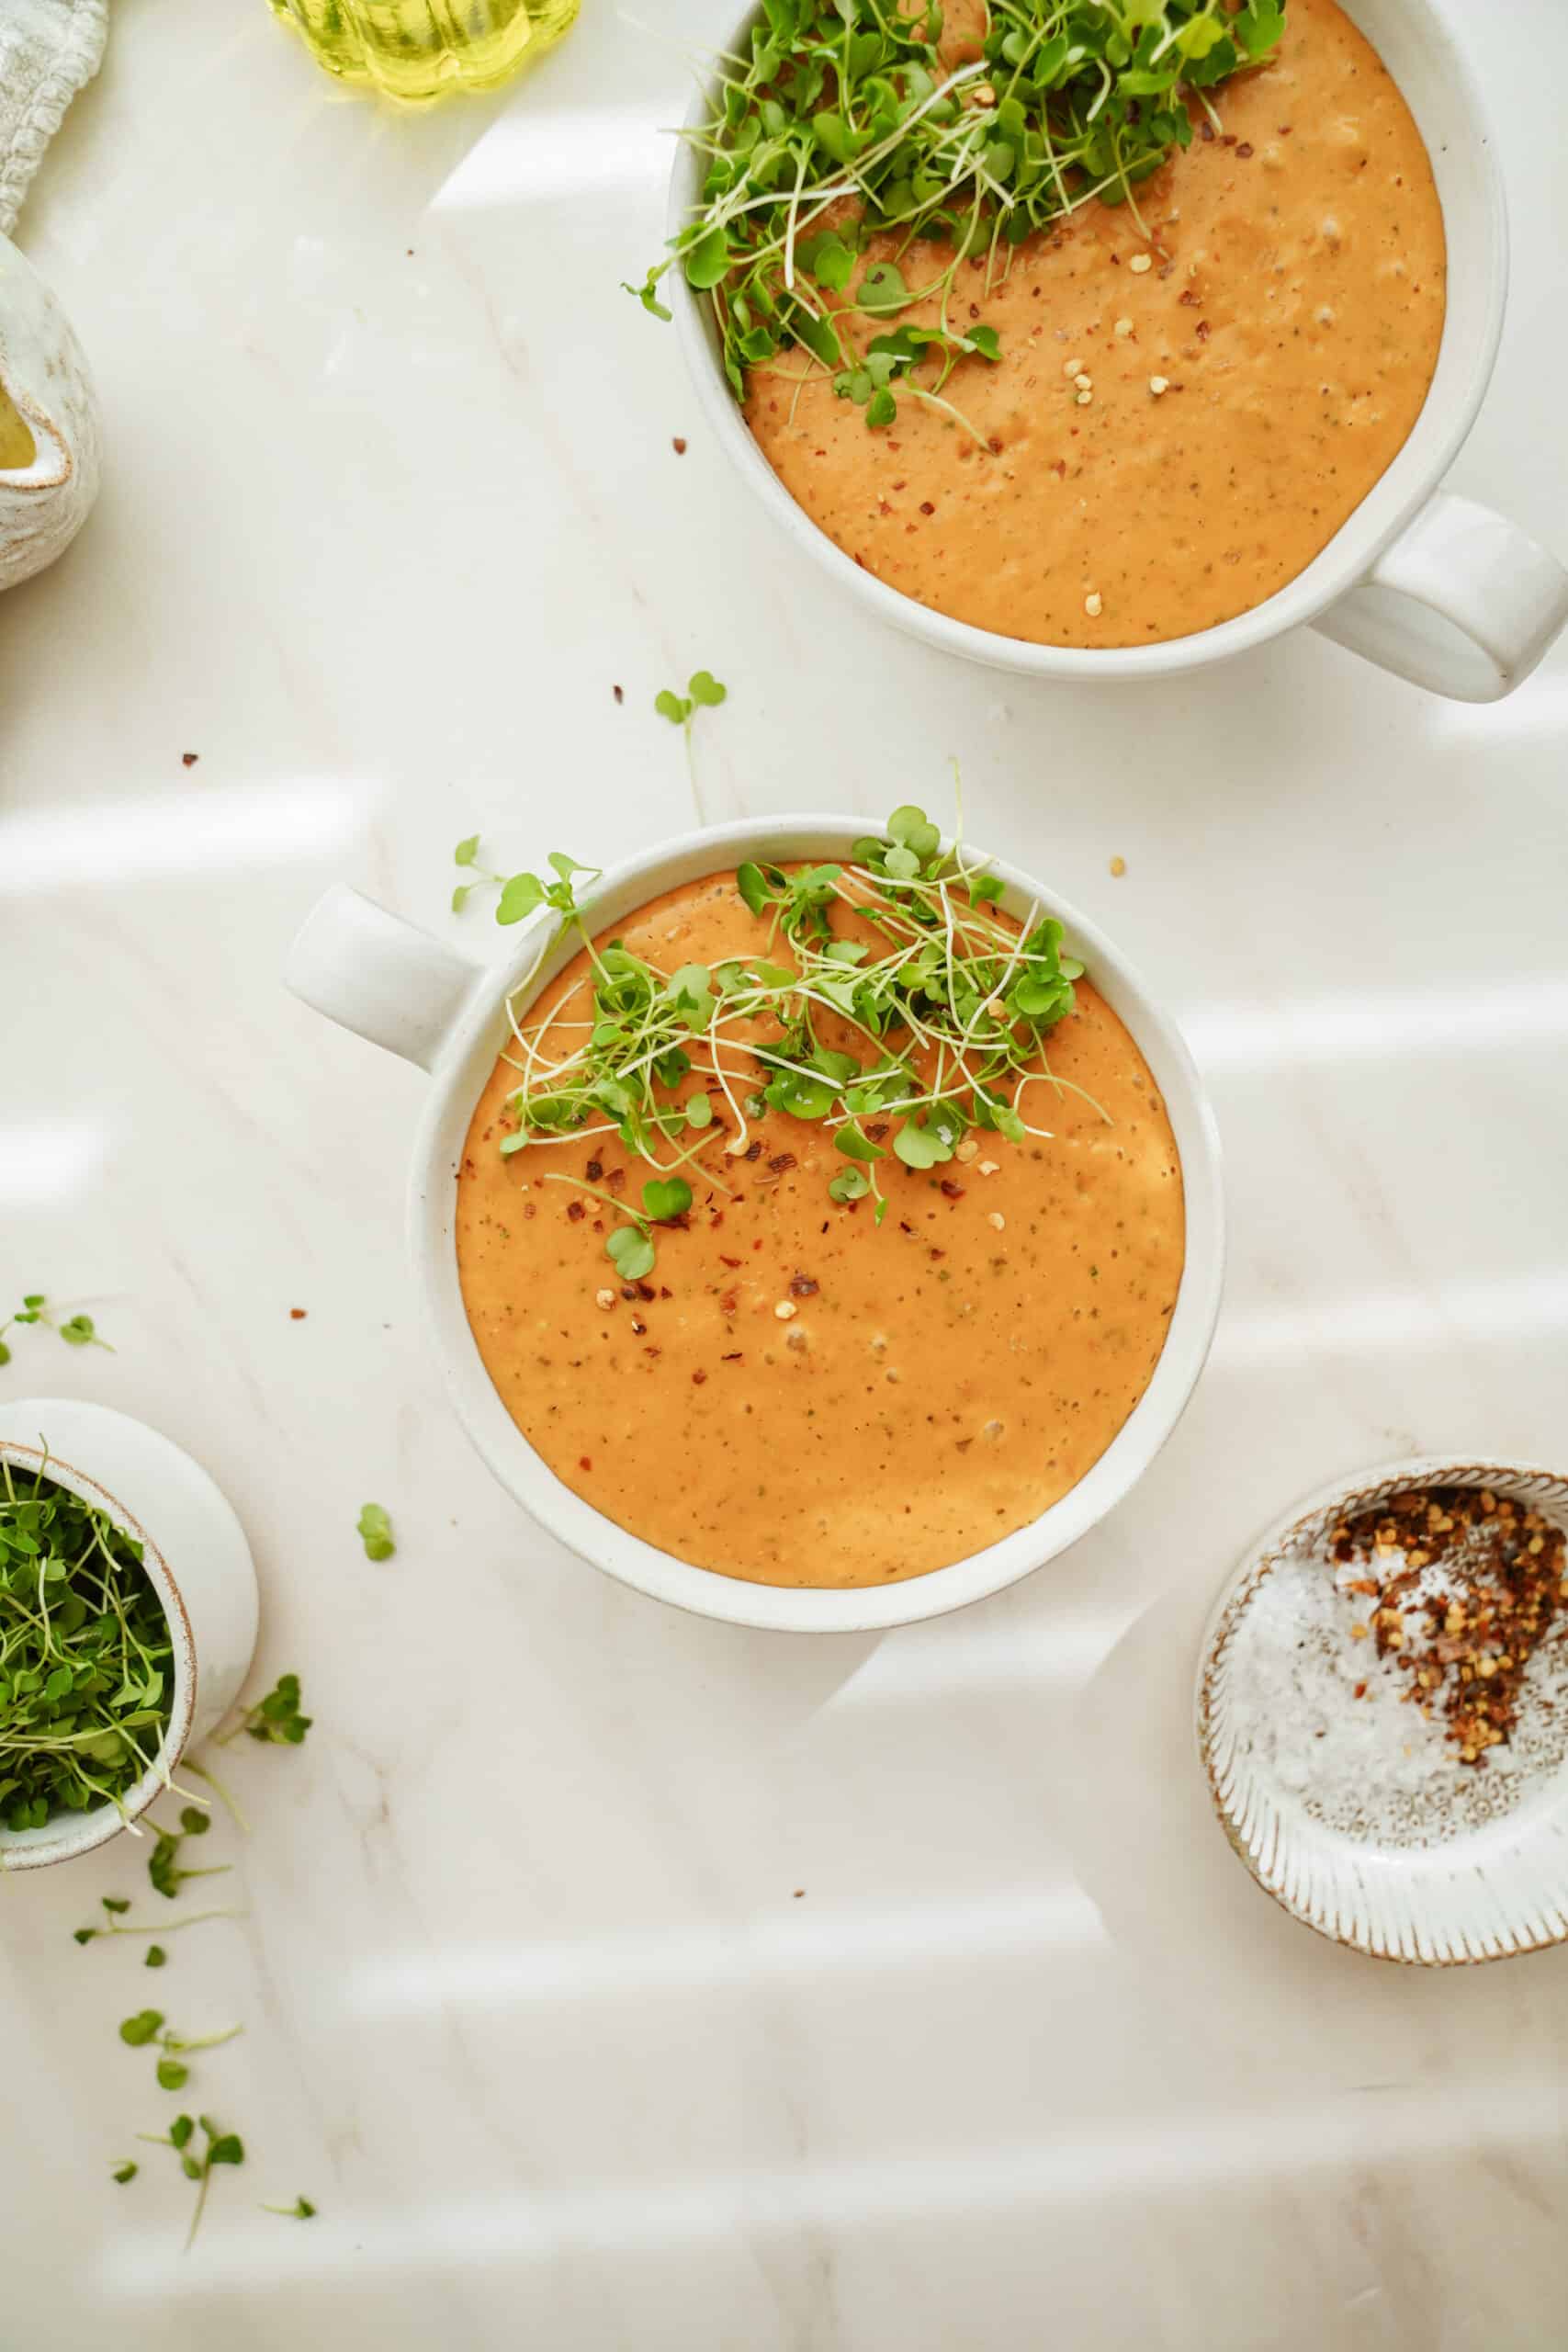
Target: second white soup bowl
{"x": 409, "y": 992}
{"x": 1438, "y": 589}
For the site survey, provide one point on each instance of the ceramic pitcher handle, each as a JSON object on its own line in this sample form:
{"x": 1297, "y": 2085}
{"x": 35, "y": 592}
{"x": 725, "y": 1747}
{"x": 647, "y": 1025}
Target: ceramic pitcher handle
{"x": 378, "y": 975}
{"x": 1462, "y": 603}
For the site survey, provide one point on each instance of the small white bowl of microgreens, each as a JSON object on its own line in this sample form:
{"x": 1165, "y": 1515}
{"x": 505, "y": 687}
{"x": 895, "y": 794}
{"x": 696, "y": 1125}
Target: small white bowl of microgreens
{"x": 127, "y": 1619}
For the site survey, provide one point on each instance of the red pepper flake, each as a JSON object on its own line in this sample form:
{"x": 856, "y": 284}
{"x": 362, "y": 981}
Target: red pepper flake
{"x": 617, "y": 1179}
{"x": 736, "y": 1358}
{"x": 297, "y": 1315}
{"x": 698, "y": 1378}
{"x": 950, "y": 1191}
{"x": 585, "y": 1461}
{"x": 1186, "y": 296}
{"x": 665, "y": 1290}
{"x": 679, "y": 446}
{"x": 782, "y": 1161}
{"x": 628, "y": 1290}
{"x": 189, "y": 759}
{"x": 802, "y": 1286}
{"x": 646, "y": 1290}
{"x": 753, "y": 1151}
{"x": 619, "y": 693}
{"x": 1203, "y": 330}
{"x": 877, "y": 1129}
{"x": 595, "y": 1170}
{"x": 926, "y": 507}
{"x": 730, "y": 1262}
{"x": 939, "y": 1253}
{"x": 1206, "y": 133}
{"x": 576, "y": 1211}
{"x": 1244, "y": 150}
{"x": 729, "y": 1302}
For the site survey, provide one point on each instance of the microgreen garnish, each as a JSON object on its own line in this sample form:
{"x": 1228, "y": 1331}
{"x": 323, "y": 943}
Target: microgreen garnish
{"x": 703, "y": 692}
{"x": 164, "y": 1927}
{"x": 147, "y": 2027}
{"x": 521, "y": 894}
{"x": 844, "y": 124}
{"x": 277, "y": 1717}
{"x": 87, "y": 1662}
{"x": 375, "y": 1533}
{"x": 77, "y": 1331}
{"x": 163, "y": 1867}
{"x": 125, "y": 2171}
{"x": 945, "y": 1005}
{"x": 221, "y": 2148}
{"x": 300, "y": 2211}
{"x": 156, "y": 1956}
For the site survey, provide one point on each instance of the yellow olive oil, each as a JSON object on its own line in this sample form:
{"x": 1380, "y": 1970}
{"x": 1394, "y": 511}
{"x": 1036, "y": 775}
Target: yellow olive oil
{"x": 415, "y": 51}
{"x": 18, "y": 447}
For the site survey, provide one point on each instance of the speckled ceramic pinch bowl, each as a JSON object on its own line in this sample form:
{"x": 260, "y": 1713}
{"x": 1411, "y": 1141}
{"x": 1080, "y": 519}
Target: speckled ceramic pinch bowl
{"x": 1440, "y": 1864}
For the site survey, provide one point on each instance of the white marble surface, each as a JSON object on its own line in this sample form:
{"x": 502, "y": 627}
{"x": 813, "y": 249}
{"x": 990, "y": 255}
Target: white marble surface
{"x": 534, "y": 2011}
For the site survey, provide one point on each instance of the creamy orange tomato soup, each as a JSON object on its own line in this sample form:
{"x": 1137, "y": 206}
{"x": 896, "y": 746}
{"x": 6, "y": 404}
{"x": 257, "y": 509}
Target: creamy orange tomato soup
{"x": 1239, "y": 397}
{"x": 795, "y": 1396}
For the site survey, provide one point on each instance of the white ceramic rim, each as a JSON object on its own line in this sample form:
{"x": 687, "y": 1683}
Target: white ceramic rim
{"x": 1387, "y": 511}
{"x": 1463, "y": 1927}
{"x": 78, "y": 1833}
{"x": 457, "y": 1083}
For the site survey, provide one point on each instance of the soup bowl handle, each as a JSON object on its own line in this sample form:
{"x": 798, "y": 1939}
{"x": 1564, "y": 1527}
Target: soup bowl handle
{"x": 384, "y": 978}
{"x": 1463, "y": 602}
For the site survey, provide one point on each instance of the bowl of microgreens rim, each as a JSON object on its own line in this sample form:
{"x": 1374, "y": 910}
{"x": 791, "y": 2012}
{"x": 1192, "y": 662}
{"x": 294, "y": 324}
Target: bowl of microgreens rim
{"x": 976, "y": 302}
{"x": 819, "y": 1222}
{"x": 1383, "y": 1710}
{"x": 127, "y": 1617}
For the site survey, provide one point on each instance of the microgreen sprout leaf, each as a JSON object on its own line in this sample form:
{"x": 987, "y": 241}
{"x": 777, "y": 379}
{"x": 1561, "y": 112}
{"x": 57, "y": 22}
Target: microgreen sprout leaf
{"x": 851, "y": 105}
{"x": 300, "y": 2211}
{"x": 126, "y": 2171}
{"x": 631, "y": 1250}
{"x": 939, "y": 1005}
{"x": 276, "y": 1718}
{"x": 375, "y": 1533}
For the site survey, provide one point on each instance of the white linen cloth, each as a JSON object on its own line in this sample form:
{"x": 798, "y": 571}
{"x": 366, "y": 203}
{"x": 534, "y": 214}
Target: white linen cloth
{"x": 48, "y": 49}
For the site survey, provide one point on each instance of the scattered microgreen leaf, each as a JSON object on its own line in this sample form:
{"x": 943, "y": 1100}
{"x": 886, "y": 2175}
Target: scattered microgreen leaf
{"x": 77, "y": 1331}
{"x": 219, "y": 2148}
{"x": 300, "y": 2211}
{"x": 164, "y": 1927}
{"x": 276, "y": 1718}
{"x": 840, "y": 141}
{"x": 375, "y": 1533}
{"x": 164, "y": 1868}
{"x": 125, "y": 2171}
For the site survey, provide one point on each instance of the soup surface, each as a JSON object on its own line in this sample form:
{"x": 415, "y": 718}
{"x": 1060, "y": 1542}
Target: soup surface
{"x": 1292, "y": 314}
{"x": 798, "y": 1396}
